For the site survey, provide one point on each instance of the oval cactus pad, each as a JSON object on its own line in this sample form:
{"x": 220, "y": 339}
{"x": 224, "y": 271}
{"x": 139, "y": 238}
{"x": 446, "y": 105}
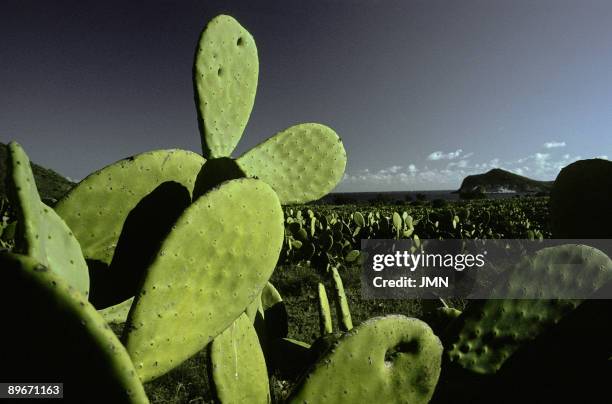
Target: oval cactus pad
{"x": 302, "y": 163}
{"x": 225, "y": 79}
{"x": 392, "y": 359}
{"x": 56, "y": 335}
{"x": 211, "y": 266}
{"x": 237, "y": 365}
{"x": 41, "y": 233}
{"x": 98, "y": 206}
{"x": 584, "y": 183}
{"x": 489, "y": 331}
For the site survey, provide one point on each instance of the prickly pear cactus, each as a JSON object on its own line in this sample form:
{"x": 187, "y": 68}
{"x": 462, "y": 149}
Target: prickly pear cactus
{"x": 488, "y": 332}
{"x": 237, "y": 365}
{"x": 41, "y": 233}
{"x": 393, "y": 359}
{"x": 580, "y": 200}
{"x": 56, "y": 335}
{"x": 212, "y": 265}
{"x": 301, "y": 164}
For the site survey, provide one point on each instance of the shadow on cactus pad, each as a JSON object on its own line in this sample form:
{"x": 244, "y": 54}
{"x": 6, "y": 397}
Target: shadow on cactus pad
{"x": 135, "y": 249}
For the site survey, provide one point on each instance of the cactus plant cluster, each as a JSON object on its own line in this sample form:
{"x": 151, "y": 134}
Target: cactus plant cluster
{"x": 176, "y": 244}
{"x": 180, "y": 247}
{"x": 334, "y": 235}
{"x": 190, "y": 279}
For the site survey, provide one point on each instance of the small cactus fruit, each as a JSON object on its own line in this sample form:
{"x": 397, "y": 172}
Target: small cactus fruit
{"x": 118, "y": 313}
{"x": 392, "y": 359}
{"x": 488, "y": 332}
{"x": 41, "y": 233}
{"x": 325, "y": 320}
{"x": 96, "y": 209}
{"x": 237, "y": 365}
{"x": 580, "y": 200}
{"x": 301, "y": 163}
{"x": 211, "y": 266}
{"x": 56, "y": 335}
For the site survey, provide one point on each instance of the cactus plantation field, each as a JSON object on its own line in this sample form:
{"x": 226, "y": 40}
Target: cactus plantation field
{"x": 180, "y": 277}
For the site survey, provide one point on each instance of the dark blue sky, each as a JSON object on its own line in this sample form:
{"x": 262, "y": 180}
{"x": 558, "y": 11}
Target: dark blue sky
{"x": 422, "y": 92}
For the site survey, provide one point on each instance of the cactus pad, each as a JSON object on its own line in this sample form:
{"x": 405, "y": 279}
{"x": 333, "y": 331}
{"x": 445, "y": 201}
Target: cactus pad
{"x": 392, "y": 359}
{"x": 274, "y": 312}
{"x": 237, "y": 365}
{"x": 41, "y": 233}
{"x": 580, "y": 200}
{"x": 301, "y": 163}
{"x": 118, "y": 313}
{"x": 98, "y": 206}
{"x": 488, "y": 332}
{"x": 56, "y": 335}
{"x": 225, "y": 79}
{"x": 342, "y": 309}
{"x": 325, "y": 319}
{"x": 212, "y": 265}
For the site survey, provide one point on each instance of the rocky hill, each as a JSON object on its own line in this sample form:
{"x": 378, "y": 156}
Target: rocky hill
{"x": 498, "y": 180}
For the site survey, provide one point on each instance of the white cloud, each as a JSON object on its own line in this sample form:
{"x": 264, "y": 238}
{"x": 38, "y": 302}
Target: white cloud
{"x": 461, "y": 164}
{"x": 552, "y": 145}
{"x": 438, "y": 155}
{"x": 404, "y": 178}
{"x": 539, "y": 166}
